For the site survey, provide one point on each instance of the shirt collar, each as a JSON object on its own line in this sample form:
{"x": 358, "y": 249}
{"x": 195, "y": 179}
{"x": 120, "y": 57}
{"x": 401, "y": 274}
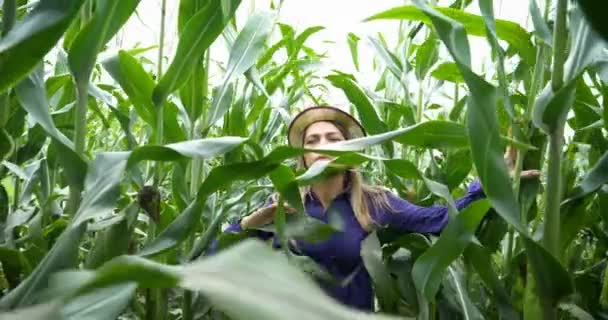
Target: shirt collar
{"x": 345, "y": 194}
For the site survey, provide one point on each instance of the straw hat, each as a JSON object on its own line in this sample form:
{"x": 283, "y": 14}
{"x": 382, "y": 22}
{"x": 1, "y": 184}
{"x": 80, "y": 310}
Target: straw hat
{"x": 311, "y": 115}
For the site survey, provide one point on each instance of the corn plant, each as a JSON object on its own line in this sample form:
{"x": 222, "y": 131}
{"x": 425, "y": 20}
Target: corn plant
{"x": 119, "y": 171}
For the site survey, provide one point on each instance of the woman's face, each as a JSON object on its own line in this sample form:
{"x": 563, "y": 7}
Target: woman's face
{"x": 319, "y": 134}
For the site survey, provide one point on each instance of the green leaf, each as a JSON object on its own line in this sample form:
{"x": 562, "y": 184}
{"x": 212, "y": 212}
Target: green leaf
{"x": 482, "y": 124}
{"x": 365, "y": 108}
{"x": 220, "y": 277}
{"x": 540, "y": 26}
{"x": 393, "y": 64}
{"x": 108, "y": 18}
{"x": 37, "y": 312}
{"x": 101, "y": 186}
{"x": 593, "y": 180}
{"x": 198, "y": 34}
{"x": 26, "y": 44}
{"x": 246, "y": 50}
{"x": 113, "y": 241}
{"x": 447, "y": 71}
{"x": 100, "y": 304}
{"x": 32, "y": 97}
{"x": 546, "y": 269}
{"x": 384, "y": 285}
{"x": 551, "y": 108}
{"x": 353, "y": 42}
{"x": 480, "y": 258}
{"x": 201, "y": 148}
{"x": 429, "y": 268}
{"x": 426, "y": 56}
{"x": 509, "y": 31}
{"x": 430, "y": 134}
{"x": 61, "y": 256}
{"x": 136, "y": 83}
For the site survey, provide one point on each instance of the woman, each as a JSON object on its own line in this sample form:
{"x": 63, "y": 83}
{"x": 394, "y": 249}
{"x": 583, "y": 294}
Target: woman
{"x": 362, "y": 207}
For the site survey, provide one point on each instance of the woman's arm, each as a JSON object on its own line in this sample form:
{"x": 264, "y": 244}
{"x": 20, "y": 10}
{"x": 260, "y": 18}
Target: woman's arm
{"x": 408, "y": 217}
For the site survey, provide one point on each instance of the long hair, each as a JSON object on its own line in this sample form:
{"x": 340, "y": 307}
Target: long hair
{"x": 362, "y": 195}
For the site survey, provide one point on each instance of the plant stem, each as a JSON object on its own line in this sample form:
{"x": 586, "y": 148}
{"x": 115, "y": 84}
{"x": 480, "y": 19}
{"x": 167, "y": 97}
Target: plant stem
{"x": 159, "y": 107}
{"x": 420, "y": 103}
{"x": 559, "y": 45}
{"x": 80, "y": 133}
{"x": 551, "y": 237}
{"x": 157, "y": 298}
{"x": 187, "y": 306}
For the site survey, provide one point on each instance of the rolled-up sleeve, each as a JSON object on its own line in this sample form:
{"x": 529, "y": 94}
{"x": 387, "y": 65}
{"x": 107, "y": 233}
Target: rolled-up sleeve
{"x": 408, "y": 217}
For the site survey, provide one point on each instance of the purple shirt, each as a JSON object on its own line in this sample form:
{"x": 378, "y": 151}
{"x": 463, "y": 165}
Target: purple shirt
{"x": 340, "y": 254}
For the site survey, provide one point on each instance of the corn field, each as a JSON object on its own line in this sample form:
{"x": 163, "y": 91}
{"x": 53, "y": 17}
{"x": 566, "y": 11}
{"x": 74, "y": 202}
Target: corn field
{"x": 121, "y": 166}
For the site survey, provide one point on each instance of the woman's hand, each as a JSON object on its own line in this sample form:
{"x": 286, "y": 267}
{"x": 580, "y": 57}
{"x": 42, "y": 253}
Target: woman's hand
{"x": 263, "y": 216}
{"x": 510, "y": 158}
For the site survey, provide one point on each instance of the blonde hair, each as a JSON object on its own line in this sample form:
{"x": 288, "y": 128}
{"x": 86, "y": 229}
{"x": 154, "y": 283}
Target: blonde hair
{"x": 361, "y": 194}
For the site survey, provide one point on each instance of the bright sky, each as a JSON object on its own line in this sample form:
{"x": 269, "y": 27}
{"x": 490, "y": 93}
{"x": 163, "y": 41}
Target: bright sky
{"x": 339, "y": 17}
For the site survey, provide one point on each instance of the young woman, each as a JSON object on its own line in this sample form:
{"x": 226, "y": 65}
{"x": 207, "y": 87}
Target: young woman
{"x": 362, "y": 207}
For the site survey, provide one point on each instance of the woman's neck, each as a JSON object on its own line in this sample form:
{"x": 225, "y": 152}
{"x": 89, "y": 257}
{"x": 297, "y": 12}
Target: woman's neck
{"x": 328, "y": 189}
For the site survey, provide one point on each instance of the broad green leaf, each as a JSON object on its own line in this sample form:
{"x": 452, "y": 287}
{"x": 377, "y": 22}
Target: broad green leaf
{"x": 509, "y": 31}
{"x": 219, "y": 177}
{"x": 457, "y": 167}
{"x": 384, "y": 285}
{"x": 487, "y": 10}
{"x": 540, "y": 26}
{"x": 365, "y": 108}
{"x": 426, "y": 56}
{"x": 201, "y": 148}
{"x": 479, "y": 257}
{"x": 26, "y": 44}
{"x": 221, "y": 276}
{"x": 393, "y": 64}
{"x": 353, "y": 42}
{"x": 115, "y": 240}
{"x": 100, "y": 195}
{"x": 38, "y": 312}
{"x": 482, "y": 122}
{"x": 136, "y": 83}
{"x": 429, "y": 268}
{"x": 197, "y": 35}
{"x": 551, "y": 108}
{"x": 246, "y": 50}
{"x": 7, "y": 145}
{"x": 447, "y": 71}
{"x": 222, "y": 101}
{"x": 430, "y": 134}
{"x": 101, "y": 304}
{"x": 108, "y": 18}
{"x": 593, "y": 180}
{"x": 61, "y": 256}
{"x": 487, "y": 156}
{"x": 406, "y": 169}
{"x": 576, "y": 311}
{"x": 101, "y": 188}
{"x": 456, "y": 294}
{"x": 32, "y": 96}
{"x": 546, "y": 269}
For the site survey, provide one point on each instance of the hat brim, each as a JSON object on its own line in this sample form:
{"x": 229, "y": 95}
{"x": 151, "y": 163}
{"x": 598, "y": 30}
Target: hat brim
{"x": 322, "y": 113}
